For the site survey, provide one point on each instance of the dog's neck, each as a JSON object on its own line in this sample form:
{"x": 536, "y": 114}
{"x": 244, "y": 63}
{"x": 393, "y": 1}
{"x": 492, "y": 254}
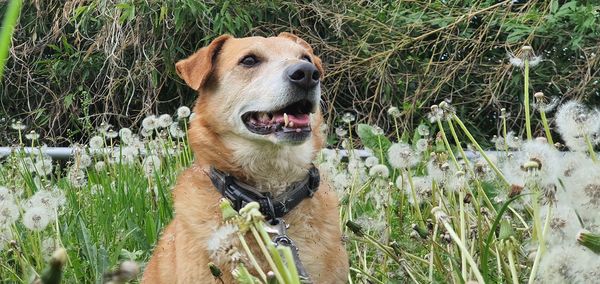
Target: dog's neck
{"x": 270, "y": 167}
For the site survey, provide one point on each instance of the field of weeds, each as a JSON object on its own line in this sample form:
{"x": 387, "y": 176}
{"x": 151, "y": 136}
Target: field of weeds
{"x": 437, "y": 202}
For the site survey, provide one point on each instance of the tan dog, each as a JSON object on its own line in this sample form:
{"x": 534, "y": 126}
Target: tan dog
{"x": 257, "y": 118}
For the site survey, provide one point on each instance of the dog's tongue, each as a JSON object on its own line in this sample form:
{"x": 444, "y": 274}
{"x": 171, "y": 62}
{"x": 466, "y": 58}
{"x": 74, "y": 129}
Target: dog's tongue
{"x": 293, "y": 120}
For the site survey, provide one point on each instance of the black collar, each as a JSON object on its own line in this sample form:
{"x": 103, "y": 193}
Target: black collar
{"x": 241, "y": 194}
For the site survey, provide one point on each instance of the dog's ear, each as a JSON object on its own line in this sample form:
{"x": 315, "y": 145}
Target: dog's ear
{"x": 316, "y": 60}
{"x": 196, "y": 69}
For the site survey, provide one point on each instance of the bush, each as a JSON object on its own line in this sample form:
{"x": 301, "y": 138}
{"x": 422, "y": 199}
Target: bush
{"x": 75, "y": 64}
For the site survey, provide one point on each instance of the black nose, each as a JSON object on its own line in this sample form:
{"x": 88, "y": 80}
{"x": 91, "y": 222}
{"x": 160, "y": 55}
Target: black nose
{"x": 304, "y": 75}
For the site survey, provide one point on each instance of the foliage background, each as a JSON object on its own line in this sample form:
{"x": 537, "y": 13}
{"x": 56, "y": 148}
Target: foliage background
{"x": 77, "y": 63}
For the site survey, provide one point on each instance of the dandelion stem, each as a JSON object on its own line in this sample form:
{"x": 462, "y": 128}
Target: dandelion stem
{"x": 463, "y": 249}
{"x": 511, "y": 264}
{"x": 590, "y": 148}
{"x": 483, "y": 154}
{"x": 415, "y": 200}
{"x": 447, "y": 144}
{"x": 540, "y": 251}
{"x": 266, "y": 253}
{"x": 546, "y": 127}
{"x": 253, "y": 261}
{"x": 526, "y": 99}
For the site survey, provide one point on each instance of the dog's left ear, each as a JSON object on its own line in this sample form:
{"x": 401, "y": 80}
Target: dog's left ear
{"x": 197, "y": 69}
{"x": 315, "y": 59}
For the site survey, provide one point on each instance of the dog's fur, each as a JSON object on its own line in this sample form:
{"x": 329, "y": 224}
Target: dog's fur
{"x": 218, "y": 137}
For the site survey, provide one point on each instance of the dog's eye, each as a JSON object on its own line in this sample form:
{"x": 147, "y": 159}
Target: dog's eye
{"x": 306, "y": 58}
{"x": 249, "y": 61}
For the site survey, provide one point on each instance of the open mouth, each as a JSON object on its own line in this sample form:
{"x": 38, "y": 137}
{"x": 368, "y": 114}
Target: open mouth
{"x": 294, "y": 118}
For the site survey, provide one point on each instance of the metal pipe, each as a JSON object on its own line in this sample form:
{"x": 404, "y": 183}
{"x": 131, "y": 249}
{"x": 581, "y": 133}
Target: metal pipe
{"x": 59, "y": 153}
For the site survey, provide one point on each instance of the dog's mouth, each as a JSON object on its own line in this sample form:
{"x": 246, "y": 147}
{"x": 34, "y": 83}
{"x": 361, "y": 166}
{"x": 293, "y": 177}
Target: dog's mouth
{"x": 294, "y": 118}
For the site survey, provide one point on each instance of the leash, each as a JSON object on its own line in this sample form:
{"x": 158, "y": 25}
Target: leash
{"x": 274, "y": 208}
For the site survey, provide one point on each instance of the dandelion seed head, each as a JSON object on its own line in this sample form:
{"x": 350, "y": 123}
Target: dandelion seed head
{"x": 5, "y": 194}
{"x": 49, "y": 245}
{"x": 574, "y": 121}
{"x": 341, "y": 132}
{"x": 150, "y": 123}
{"x": 165, "y": 120}
{"x": 423, "y": 130}
{"x": 421, "y": 145}
{"x": 371, "y": 161}
{"x": 103, "y": 128}
{"x": 380, "y": 171}
{"x": 341, "y": 181}
{"x": 394, "y": 112}
{"x": 100, "y": 166}
{"x": 401, "y": 156}
{"x": 348, "y": 117}
{"x": 436, "y": 114}
{"x": 18, "y": 125}
{"x": 176, "y": 131}
{"x": 9, "y": 213}
{"x": 151, "y": 164}
{"x": 37, "y": 218}
{"x": 76, "y": 177}
{"x": 32, "y": 135}
{"x": 377, "y": 130}
{"x": 96, "y": 142}
{"x": 111, "y": 134}
{"x": 5, "y": 237}
{"x": 43, "y": 167}
{"x": 183, "y": 112}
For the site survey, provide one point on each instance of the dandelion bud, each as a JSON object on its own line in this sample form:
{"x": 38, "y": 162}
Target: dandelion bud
{"x": 214, "y": 270}
{"x": 444, "y": 104}
{"x": 226, "y": 210}
{"x": 589, "y": 240}
{"x": 355, "y": 228}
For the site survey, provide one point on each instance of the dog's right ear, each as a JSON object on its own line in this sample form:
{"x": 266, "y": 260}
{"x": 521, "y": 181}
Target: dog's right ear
{"x": 197, "y": 69}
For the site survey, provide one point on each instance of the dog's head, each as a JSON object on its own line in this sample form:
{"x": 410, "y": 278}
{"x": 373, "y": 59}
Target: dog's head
{"x": 265, "y": 89}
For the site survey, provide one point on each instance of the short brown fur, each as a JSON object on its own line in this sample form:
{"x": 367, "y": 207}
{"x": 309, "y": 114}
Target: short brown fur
{"x": 181, "y": 255}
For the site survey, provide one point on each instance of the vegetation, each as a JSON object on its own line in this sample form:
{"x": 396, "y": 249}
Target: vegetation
{"x": 77, "y": 63}
{"x": 428, "y": 204}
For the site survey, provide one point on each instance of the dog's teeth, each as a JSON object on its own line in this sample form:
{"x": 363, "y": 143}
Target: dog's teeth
{"x": 298, "y": 130}
{"x": 264, "y": 116}
{"x": 291, "y": 124}
{"x": 286, "y": 120}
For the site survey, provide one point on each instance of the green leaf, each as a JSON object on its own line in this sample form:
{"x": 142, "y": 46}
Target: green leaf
{"x": 378, "y": 143}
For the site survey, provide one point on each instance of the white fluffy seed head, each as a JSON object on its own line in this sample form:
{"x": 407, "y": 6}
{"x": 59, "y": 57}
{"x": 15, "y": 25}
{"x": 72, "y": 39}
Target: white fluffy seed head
{"x": 150, "y": 123}
{"x": 37, "y": 218}
{"x": 9, "y": 213}
{"x": 151, "y": 164}
{"x": 183, "y": 112}
{"x": 371, "y": 161}
{"x": 96, "y": 142}
{"x": 165, "y": 120}
{"x": 380, "y": 171}
{"x": 401, "y": 156}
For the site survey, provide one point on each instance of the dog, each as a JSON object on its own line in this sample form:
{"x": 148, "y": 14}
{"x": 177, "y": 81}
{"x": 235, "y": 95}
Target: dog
{"x": 258, "y": 121}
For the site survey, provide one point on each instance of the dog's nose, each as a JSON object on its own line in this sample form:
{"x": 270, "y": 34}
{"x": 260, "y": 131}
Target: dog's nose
{"x": 304, "y": 75}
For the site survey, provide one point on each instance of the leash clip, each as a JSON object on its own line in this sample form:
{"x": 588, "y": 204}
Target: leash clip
{"x": 279, "y": 229}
